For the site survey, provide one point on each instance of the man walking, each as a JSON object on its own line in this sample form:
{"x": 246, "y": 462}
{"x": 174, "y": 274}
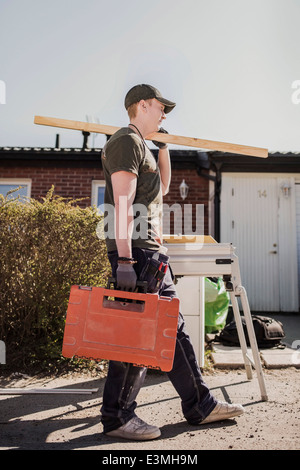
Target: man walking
{"x": 133, "y": 176}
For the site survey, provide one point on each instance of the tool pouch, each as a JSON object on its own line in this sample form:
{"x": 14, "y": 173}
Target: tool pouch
{"x": 154, "y": 271}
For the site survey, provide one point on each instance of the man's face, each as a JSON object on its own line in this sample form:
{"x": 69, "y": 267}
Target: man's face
{"x": 155, "y": 114}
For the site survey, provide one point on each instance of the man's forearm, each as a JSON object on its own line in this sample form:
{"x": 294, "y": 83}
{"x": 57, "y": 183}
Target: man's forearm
{"x": 165, "y": 169}
{"x": 124, "y": 227}
{"x": 124, "y": 188}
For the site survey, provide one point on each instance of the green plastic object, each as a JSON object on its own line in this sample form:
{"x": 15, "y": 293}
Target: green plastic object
{"x": 216, "y": 305}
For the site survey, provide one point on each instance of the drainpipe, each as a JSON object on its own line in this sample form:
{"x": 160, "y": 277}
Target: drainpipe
{"x": 217, "y": 200}
{"x": 203, "y": 162}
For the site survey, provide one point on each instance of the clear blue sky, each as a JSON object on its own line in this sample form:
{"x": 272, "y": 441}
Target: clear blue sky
{"x": 229, "y": 65}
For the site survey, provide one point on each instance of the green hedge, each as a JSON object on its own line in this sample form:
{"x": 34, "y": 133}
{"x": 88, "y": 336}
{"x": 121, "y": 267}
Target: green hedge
{"x": 45, "y": 247}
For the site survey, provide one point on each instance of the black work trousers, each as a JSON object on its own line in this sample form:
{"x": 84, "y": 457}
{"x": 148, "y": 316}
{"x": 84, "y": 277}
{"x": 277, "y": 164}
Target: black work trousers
{"x": 125, "y": 380}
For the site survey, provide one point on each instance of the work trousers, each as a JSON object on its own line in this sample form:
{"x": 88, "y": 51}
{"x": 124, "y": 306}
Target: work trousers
{"x": 125, "y": 380}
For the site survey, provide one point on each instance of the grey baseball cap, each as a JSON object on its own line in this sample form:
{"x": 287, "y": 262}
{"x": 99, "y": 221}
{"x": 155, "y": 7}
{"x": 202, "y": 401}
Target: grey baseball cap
{"x": 147, "y": 92}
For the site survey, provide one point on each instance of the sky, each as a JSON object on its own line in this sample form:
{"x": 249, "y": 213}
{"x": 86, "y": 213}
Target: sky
{"x": 232, "y": 67}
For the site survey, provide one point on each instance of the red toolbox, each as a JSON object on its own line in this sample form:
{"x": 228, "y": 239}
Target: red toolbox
{"x": 123, "y": 326}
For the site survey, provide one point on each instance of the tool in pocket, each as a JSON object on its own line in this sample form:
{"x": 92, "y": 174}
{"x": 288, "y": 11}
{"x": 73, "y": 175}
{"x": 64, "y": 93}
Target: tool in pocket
{"x": 154, "y": 271}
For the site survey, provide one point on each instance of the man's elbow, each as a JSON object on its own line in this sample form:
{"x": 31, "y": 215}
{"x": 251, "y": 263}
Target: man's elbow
{"x": 164, "y": 190}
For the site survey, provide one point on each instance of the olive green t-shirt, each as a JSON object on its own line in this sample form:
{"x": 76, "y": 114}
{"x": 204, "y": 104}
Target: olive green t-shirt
{"x": 127, "y": 151}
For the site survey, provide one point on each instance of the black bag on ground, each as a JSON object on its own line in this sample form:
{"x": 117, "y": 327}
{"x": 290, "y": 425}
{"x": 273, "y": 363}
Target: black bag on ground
{"x": 268, "y": 332}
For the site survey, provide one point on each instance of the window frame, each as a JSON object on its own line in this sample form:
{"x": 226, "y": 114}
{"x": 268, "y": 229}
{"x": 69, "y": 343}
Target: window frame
{"x": 95, "y": 185}
{"x": 27, "y": 182}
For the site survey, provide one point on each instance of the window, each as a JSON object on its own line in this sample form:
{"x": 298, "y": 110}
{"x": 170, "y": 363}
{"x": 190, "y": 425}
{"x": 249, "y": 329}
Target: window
{"x": 7, "y": 184}
{"x": 98, "y": 189}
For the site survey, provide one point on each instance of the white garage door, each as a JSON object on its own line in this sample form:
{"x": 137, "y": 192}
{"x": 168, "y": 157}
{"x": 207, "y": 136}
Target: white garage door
{"x": 260, "y": 221}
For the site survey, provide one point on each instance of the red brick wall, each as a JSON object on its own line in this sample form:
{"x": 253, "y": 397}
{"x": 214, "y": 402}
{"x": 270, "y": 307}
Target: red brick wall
{"x": 76, "y": 182}
{"x": 197, "y": 194}
{"x": 68, "y": 181}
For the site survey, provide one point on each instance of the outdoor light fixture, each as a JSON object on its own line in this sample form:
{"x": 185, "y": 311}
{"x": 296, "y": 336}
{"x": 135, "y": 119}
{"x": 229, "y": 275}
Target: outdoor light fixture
{"x": 286, "y": 189}
{"x": 184, "y": 189}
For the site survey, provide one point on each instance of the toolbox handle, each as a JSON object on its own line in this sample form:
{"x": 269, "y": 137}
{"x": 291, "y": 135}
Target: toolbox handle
{"x": 141, "y": 286}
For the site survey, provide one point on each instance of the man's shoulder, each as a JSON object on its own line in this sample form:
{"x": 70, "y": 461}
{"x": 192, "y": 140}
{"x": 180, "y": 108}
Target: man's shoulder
{"x": 123, "y": 151}
{"x": 124, "y": 136}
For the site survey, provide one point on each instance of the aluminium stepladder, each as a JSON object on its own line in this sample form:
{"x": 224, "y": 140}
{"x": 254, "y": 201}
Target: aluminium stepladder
{"x": 234, "y": 286}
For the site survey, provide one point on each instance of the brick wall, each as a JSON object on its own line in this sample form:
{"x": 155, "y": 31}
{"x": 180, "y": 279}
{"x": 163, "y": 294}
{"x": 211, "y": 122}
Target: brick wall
{"x": 68, "y": 181}
{"x": 73, "y": 180}
{"x": 197, "y": 194}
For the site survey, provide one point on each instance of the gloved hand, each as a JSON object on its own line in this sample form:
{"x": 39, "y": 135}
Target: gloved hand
{"x": 126, "y": 277}
{"x": 161, "y": 145}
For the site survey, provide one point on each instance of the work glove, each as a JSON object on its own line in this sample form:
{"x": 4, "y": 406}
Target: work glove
{"x": 126, "y": 277}
{"x": 161, "y": 145}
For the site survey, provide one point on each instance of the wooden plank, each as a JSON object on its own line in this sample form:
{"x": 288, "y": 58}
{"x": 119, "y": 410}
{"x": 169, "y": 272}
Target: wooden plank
{"x": 165, "y": 138}
{"x": 188, "y": 239}
{"x": 75, "y": 125}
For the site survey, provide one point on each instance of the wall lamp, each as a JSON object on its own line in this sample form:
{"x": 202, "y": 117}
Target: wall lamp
{"x": 184, "y": 189}
{"x": 286, "y": 189}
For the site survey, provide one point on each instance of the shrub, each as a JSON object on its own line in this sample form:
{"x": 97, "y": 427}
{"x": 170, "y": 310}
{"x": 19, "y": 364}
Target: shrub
{"x": 45, "y": 247}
